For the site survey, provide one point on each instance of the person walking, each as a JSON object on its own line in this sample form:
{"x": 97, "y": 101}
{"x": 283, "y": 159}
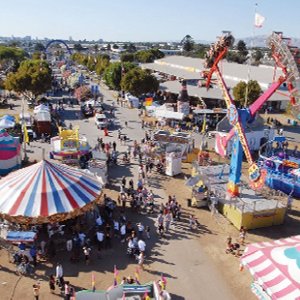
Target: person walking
{"x": 52, "y": 283}
{"x": 114, "y": 144}
{"x": 140, "y": 259}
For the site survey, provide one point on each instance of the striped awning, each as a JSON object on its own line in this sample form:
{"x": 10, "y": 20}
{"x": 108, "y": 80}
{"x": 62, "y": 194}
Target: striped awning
{"x": 276, "y": 266}
{"x": 47, "y": 189}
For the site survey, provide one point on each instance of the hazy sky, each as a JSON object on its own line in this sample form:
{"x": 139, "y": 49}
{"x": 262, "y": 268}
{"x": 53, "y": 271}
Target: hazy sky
{"x": 145, "y": 20}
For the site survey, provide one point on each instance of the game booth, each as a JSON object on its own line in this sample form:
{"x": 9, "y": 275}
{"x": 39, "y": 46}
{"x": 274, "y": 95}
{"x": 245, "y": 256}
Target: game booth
{"x": 275, "y": 268}
{"x": 10, "y": 153}
{"x": 42, "y": 119}
{"x": 282, "y": 165}
{"x": 172, "y": 148}
{"x": 69, "y": 146}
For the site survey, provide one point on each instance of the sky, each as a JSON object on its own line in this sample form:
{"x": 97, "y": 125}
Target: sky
{"x": 145, "y": 20}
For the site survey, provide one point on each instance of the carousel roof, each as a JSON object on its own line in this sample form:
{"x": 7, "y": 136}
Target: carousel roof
{"x": 47, "y": 191}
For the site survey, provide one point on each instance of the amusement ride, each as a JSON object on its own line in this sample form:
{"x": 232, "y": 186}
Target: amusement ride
{"x": 240, "y": 117}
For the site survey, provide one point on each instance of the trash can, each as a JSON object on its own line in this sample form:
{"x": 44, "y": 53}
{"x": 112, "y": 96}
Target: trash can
{"x": 189, "y": 202}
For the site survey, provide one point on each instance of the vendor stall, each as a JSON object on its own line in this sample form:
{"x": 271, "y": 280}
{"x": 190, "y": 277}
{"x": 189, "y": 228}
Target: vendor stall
{"x": 173, "y": 163}
{"x": 69, "y": 147}
{"x": 10, "y": 153}
{"x": 275, "y": 268}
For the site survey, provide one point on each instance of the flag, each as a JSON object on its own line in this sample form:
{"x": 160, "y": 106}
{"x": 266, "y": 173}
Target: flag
{"x": 259, "y": 20}
{"x": 137, "y": 276}
{"x": 25, "y": 134}
{"x": 163, "y": 281}
{"x": 93, "y": 282}
{"x": 204, "y": 125}
{"x": 116, "y": 273}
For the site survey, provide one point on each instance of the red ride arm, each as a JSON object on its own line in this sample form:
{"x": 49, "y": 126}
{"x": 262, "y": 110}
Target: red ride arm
{"x": 256, "y": 106}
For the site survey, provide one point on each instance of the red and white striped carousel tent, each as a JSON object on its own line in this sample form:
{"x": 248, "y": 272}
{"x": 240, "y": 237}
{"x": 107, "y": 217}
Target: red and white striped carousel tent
{"x": 47, "y": 192}
{"x": 276, "y": 267}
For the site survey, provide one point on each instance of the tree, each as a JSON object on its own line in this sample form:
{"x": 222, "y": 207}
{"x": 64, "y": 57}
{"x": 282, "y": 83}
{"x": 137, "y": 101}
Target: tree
{"x": 36, "y": 55}
{"x": 241, "y": 47}
{"x": 10, "y": 57}
{"x": 96, "y": 48}
{"x": 32, "y": 78}
{"x": 78, "y": 47}
{"x": 252, "y": 89}
{"x": 39, "y": 47}
{"x": 257, "y": 55}
{"x": 138, "y": 82}
{"x": 102, "y": 63}
{"x": 114, "y": 72}
{"x": 127, "y": 57}
{"x": 148, "y": 56}
{"x": 131, "y": 48}
{"x": 188, "y": 43}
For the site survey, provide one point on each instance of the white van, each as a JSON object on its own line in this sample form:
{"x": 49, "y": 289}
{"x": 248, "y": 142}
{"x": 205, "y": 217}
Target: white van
{"x": 101, "y": 121}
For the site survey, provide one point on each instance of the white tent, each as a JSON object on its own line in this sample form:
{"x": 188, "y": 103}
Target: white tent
{"x": 41, "y": 108}
{"x": 167, "y": 114}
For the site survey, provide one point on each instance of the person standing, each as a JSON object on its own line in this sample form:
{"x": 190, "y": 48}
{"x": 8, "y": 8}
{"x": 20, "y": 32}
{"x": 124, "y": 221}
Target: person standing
{"x": 36, "y": 291}
{"x": 59, "y": 273}
{"x": 168, "y": 220}
{"x": 86, "y": 252}
{"x": 141, "y": 228}
{"x": 148, "y": 232}
{"x": 100, "y": 239}
{"x": 114, "y": 144}
{"x": 67, "y": 290}
{"x": 123, "y": 232}
{"x": 33, "y": 254}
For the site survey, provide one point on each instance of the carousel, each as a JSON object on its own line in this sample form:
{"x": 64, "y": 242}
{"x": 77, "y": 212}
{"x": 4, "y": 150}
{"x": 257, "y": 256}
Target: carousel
{"x": 47, "y": 192}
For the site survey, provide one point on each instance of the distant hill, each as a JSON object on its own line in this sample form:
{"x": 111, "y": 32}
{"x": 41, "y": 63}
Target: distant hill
{"x": 260, "y": 41}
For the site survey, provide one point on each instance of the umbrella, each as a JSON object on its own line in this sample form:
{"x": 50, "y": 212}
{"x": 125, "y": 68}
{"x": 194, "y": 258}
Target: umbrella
{"x": 7, "y": 122}
{"x": 276, "y": 266}
{"x": 10, "y": 153}
{"x": 47, "y": 192}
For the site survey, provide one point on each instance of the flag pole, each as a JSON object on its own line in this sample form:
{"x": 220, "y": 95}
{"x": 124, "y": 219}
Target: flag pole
{"x": 250, "y": 58}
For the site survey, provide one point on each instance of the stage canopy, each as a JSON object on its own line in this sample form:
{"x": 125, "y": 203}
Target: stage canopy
{"x": 47, "y": 192}
{"x": 276, "y": 266}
